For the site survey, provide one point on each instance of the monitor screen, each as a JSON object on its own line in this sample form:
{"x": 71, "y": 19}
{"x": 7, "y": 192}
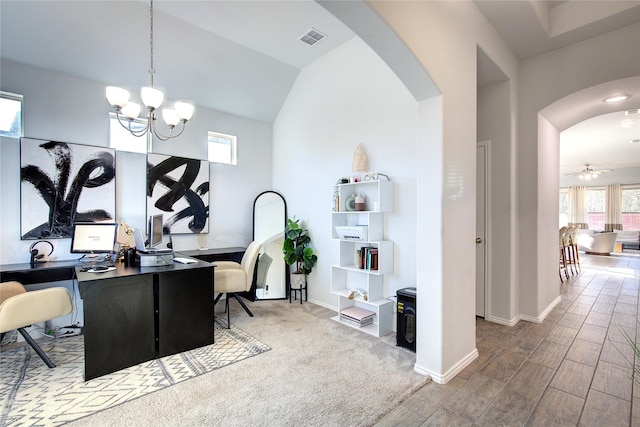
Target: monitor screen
{"x": 155, "y": 230}
{"x": 93, "y": 237}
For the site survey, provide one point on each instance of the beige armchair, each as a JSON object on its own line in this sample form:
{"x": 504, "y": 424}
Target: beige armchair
{"x": 19, "y": 309}
{"x": 232, "y": 277}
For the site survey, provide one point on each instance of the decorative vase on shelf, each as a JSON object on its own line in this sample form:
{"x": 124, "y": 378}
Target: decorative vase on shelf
{"x": 359, "y": 202}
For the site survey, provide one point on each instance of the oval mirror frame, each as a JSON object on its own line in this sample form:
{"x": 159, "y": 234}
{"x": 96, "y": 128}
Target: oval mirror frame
{"x": 269, "y": 222}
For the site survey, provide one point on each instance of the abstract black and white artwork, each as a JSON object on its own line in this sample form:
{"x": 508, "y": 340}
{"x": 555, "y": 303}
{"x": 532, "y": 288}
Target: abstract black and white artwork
{"x": 63, "y": 183}
{"x": 178, "y": 188}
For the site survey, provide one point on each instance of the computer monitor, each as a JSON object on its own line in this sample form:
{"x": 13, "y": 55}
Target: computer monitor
{"x": 155, "y": 230}
{"x": 93, "y": 237}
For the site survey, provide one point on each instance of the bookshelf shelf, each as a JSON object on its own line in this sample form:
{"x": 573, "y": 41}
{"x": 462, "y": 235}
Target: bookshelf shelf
{"x": 364, "y": 255}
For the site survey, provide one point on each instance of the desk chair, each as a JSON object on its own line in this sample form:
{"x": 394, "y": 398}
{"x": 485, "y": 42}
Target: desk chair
{"x": 231, "y": 277}
{"x": 19, "y": 309}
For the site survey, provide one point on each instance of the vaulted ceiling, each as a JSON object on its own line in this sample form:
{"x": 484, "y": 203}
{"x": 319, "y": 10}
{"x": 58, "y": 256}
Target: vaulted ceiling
{"x": 243, "y": 57}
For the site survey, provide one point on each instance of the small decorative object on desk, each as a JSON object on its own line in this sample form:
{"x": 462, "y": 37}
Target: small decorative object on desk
{"x": 202, "y": 242}
{"x": 359, "y": 202}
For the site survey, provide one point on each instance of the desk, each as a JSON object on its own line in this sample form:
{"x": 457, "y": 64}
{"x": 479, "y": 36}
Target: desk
{"x": 226, "y": 254}
{"x": 24, "y": 273}
{"x": 136, "y": 314}
{"x": 216, "y": 254}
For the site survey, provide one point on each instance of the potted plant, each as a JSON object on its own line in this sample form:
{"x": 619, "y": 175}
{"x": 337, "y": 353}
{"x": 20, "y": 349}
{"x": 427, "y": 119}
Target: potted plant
{"x": 297, "y": 250}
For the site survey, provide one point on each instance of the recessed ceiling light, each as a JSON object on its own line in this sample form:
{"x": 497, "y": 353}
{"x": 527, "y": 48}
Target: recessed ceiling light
{"x": 615, "y": 99}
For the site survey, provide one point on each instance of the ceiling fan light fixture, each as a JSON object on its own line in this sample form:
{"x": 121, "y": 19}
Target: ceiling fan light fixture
{"x": 616, "y": 98}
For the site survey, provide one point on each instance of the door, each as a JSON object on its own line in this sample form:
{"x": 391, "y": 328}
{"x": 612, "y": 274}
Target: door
{"x": 481, "y": 216}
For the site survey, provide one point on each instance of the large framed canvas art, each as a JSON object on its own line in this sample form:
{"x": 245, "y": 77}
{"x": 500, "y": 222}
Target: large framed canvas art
{"x": 178, "y": 188}
{"x": 63, "y": 183}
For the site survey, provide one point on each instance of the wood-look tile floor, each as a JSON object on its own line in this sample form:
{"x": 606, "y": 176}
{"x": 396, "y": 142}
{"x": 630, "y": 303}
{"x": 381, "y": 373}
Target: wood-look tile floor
{"x": 575, "y": 368}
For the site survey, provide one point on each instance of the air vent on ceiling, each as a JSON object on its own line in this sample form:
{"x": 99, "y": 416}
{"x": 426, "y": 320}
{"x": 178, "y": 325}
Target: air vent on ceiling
{"x": 312, "y": 37}
{"x": 633, "y": 141}
{"x": 631, "y": 112}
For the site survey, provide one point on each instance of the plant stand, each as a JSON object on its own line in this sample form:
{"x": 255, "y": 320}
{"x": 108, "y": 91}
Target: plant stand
{"x": 298, "y": 284}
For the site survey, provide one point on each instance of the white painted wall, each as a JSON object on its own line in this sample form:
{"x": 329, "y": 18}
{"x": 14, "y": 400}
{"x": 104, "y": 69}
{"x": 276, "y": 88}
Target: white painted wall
{"x": 345, "y": 98}
{"x": 445, "y": 36}
{"x": 63, "y": 108}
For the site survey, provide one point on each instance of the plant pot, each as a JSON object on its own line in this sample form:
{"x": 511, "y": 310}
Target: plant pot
{"x": 298, "y": 280}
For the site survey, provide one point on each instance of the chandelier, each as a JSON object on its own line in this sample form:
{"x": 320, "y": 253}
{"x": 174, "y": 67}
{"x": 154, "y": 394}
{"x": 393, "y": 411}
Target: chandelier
{"x": 127, "y": 112}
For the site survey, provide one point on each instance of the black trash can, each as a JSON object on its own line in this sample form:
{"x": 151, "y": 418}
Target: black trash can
{"x": 406, "y": 318}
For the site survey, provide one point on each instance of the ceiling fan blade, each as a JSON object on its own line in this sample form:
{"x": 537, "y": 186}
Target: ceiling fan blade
{"x": 597, "y": 172}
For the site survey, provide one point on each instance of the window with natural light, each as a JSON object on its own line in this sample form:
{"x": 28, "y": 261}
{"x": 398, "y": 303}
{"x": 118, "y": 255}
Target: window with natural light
{"x": 222, "y": 148}
{"x": 563, "y": 208}
{"x": 10, "y": 115}
{"x": 630, "y": 207}
{"x": 122, "y": 140}
{"x": 595, "y": 208}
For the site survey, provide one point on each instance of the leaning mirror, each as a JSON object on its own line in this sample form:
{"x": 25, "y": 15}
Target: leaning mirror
{"x": 269, "y": 221}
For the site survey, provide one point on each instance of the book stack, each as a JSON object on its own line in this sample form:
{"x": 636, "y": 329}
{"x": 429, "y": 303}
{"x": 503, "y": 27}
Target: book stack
{"x": 367, "y": 258}
{"x": 357, "y": 316}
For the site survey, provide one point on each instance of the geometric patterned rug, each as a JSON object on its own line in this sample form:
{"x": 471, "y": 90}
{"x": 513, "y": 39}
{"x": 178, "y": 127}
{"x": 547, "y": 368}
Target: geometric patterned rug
{"x": 33, "y": 394}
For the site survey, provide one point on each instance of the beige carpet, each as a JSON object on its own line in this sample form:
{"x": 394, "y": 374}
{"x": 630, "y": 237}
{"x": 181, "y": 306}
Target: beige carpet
{"x": 317, "y": 373}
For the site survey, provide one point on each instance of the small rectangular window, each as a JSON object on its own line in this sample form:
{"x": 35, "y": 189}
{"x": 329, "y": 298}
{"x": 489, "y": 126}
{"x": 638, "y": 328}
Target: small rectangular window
{"x": 10, "y": 115}
{"x": 122, "y": 140}
{"x": 222, "y": 148}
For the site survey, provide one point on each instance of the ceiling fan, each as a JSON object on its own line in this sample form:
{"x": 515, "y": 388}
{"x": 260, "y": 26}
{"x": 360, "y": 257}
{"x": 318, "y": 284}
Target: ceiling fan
{"x": 587, "y": 173}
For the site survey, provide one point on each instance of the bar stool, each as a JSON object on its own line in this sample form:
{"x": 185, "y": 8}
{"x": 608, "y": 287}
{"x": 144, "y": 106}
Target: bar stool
{"x": 573, "y": 245}
{"x": 562, "y": 254}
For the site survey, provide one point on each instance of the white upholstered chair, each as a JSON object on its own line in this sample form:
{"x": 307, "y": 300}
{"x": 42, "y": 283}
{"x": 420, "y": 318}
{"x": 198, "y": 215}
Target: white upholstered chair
{"x": 232, "y": 277}
{"x": 19, "y": 309}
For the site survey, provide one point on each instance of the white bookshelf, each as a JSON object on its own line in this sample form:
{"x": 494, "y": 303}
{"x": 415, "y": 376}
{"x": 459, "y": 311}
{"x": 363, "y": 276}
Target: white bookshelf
{"x": 347, "y": 276}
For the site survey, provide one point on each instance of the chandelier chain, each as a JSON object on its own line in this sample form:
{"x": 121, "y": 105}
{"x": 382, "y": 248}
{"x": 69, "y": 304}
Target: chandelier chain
{"x": 151, "y": 69}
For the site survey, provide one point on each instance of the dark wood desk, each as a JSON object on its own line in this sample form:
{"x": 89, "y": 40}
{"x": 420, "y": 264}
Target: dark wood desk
{"x": 225, "y": 254}
{"x": 217, "y": 254}
{"x": 52, "y": 271}
{"x": 136, "y": 314}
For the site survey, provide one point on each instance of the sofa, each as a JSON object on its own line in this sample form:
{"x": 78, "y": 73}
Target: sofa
{"x": 595, "y": 242}
{"x": 628, "y": 239}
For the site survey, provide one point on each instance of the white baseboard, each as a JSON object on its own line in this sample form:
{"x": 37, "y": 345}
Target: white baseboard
{"x": 544, "y": 314}
{"x": 451, "y": 373}
{"x": 502, "y": 321}
{"x": 533, "y": 319}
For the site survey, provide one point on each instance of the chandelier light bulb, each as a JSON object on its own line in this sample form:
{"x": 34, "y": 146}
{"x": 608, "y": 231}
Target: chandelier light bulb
{"x": 131, "y": 110}
{"x": 151, "y": 97}
{"x": 170, "y": 117}
{"x": 184, "y": 111}
{"x": 117, "y": 96}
